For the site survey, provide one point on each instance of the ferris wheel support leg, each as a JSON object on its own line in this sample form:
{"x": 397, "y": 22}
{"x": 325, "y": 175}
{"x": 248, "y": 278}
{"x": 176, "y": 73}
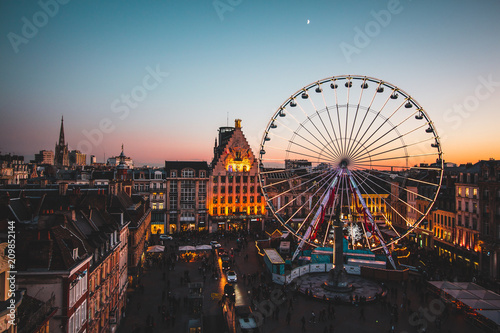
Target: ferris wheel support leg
{"x": 317, "y": 217}
{"x": 370, "y": 218}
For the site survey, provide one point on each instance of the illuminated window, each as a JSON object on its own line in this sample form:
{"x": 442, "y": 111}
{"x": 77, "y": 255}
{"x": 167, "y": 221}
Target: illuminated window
{"x": 467, "y": 192}
{"x": 160, "y": 205}
{"x": 474, "y": 193}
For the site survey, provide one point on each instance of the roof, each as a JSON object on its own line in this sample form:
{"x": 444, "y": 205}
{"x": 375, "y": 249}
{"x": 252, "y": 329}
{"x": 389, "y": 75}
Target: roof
{"x": 179, "y": 165}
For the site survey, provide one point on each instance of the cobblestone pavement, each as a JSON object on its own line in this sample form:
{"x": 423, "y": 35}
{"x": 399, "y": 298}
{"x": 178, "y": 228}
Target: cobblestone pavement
{"x": 417, "y": 311}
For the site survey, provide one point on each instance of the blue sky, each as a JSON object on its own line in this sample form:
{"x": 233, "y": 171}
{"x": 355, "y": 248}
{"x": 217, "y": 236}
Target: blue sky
{"x": 235, "y": 59}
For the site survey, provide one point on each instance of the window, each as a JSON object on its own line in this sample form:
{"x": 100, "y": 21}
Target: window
{"x": 245, "y": 179}
{"x": 222, "y": 189}
{"x": 215, "y": 189}
{"x": 222, "y": 179}
{"x": 474, "y": 192}
{"x": 187, "y": 173}
{"x": 202, "y": 174}
{"x": 173, "y": 174}
{"x": 214, "y": 211}
{"x": 230, "y": 200}
{"x": 252, "y": 199}
{"x": 157, "y": 175}
{"x": 215, "y": 179}
{"x": 222, "y": 199}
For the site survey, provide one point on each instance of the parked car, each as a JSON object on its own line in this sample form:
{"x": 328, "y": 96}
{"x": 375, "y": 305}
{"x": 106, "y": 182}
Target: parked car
{"x": 231, "y": 277}
{"x": 166, "y": 237}
{"x": 215, "y": 244}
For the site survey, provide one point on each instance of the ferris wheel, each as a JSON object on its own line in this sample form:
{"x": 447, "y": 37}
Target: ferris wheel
{"x": 356, "y": 148}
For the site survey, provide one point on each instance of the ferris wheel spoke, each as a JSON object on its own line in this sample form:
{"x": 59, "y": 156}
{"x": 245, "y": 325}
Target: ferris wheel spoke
{"x": 400, "y": 147}
{"x": 296, "y": 133}
{"x": 311, "y": 150}
{"x": 307, "y": 155}
{"x": 399, "y": 199}
{"x": 360, "y": 142}
{"x": 404, "y": 218}
{"x": 400, "y": 136}
{"x": 364, "y": 85}
{"x": 394, "y": 128}
{"x": 296, "y": 186}
{"x": 402, "y": 189}
{"x": 338, "y": 120}
{"x": 376, "y": 92}
{"x": 368, "y": 166}
{"x": 364, "y": 143}
{"x": 315, "y": 208}
{"x": 331, "y": 123}
{"x": 329, "y": 135}
{"x": 310, "y": 120}
{"x": 400, "y": 157}
{"x": 398, "y": 187}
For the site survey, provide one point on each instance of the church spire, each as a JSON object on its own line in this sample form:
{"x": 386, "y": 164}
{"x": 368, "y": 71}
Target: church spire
{"x": 61, "y": 133}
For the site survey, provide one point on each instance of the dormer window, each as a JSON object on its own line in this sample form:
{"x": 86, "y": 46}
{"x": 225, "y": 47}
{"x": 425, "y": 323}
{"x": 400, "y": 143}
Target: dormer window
{"x": 173, "y": 174}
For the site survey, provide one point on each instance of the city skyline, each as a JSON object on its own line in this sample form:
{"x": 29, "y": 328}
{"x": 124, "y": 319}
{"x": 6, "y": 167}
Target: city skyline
{"x": 162, "y": 77}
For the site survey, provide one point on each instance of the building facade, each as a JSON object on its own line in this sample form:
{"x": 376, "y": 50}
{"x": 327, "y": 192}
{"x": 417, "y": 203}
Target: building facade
{"x": 234, "y": 196}
{"x": 185, "y": 195}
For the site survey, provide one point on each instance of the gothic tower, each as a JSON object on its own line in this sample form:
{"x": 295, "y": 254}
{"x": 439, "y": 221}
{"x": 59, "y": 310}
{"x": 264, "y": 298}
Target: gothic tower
{"x": 61, "y": 156}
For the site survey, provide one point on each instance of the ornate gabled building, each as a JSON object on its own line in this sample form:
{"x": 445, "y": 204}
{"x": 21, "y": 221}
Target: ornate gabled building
{"x": 61, "y": 156}
{"x": 234, "y": 196}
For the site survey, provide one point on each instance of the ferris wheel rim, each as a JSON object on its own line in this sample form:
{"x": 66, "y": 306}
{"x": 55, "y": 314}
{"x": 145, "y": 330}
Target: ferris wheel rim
{"x": 349, "y": 79}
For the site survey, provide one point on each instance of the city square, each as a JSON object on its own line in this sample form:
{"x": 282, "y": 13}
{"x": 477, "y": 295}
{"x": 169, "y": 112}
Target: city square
{"x": 245, "y": 166}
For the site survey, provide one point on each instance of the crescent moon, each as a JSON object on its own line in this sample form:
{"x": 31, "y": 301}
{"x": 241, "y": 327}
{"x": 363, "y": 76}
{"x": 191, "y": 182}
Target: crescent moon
{"x": 308, "y": 21}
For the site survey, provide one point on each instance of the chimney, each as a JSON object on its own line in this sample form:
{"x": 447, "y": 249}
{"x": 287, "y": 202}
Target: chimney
{"x": 63, "y": 188}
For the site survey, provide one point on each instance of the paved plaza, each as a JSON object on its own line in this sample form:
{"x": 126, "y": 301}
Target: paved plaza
{"x": 406, "y": 307}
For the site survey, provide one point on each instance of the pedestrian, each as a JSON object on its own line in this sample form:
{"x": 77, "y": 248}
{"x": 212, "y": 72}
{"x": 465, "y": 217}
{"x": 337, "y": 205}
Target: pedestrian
{"x": 313, "y": 317}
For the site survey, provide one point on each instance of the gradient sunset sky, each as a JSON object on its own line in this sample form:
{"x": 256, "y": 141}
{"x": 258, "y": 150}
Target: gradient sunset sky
{"x": 234, "y": 59}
